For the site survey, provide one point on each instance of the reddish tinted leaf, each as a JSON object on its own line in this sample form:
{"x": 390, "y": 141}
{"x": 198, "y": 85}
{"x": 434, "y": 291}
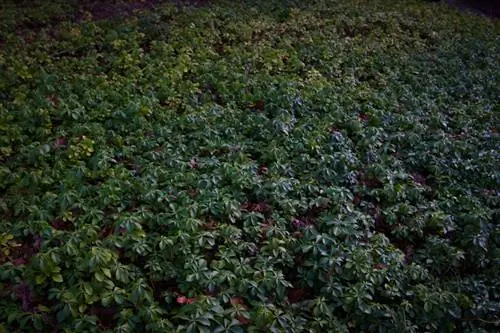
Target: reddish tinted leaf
{"x": 193, "y": 193}
{"x": 105, "y": 232}
{"x": 419, "y": 179}
{"x": 260, "y": 207}
{"x": 237, "y": 301}
{"x": 257, "y": 105}
{"x": 19, "y": 261}
{"x": 53, "y": 100}
{"x": 263, "y": 170}
{"x": 58, "y": 224}
{"x": 210, "y": 225}
{"x": 60, "y": 142}
{"x": 243, "y": 320}
{"x": 193, "y": 163}
{"x": 298, "y": 223}
{"x": 363, "y": 117}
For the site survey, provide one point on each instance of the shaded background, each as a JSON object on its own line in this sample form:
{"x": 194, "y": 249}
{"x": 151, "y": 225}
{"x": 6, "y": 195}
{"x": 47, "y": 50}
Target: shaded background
{"x": 487, "y": 7}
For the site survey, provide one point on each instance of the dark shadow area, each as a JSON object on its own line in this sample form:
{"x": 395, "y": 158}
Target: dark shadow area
{"x": 486, "y": 7}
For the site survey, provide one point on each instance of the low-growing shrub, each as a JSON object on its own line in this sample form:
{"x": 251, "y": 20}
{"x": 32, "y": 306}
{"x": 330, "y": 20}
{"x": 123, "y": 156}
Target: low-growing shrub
{"x": 269, "y": 166}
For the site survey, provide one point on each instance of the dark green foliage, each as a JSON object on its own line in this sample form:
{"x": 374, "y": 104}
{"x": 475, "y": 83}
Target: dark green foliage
{"x": 258, "y": 167}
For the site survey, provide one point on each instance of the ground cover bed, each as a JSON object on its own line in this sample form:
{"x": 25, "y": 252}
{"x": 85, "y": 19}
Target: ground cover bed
{"x": 255, "y": 166}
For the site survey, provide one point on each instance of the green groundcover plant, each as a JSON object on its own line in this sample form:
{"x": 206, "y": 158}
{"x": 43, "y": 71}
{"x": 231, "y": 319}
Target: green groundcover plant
{"x": 255, "y": 166}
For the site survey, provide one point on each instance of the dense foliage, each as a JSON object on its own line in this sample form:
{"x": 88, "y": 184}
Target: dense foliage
{"x": 328, "y": 166}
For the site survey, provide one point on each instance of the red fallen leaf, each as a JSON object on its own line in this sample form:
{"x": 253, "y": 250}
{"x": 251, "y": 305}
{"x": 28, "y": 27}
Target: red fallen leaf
{"x": 237, "y": 301}
{"x": 243, "y": 320}
{"x": 19, "y": 261}
{"x": 363, "y": 117}
{"x": 193, "y": 163}
{"x": 60, "y": 142}
{"x": 257, "y": 105}
{"x": 53, "y": 100}
{"x": 263, "y": 170}
{"x": 458, "y": 135}
{"x": 182, "y": 299}
{"x": 298, "y": 223}
{"x": 267, "y": 224}
{"x": 261, "y": 207}
{"x": 303, "y": 221}
{"x": 210, "y": 225}
{"x": 105, "y": 232}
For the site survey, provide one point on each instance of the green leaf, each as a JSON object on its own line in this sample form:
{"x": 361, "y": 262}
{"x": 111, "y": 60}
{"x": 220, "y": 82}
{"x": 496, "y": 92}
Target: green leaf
{"x": 39, "y": 279}
{"x": 106, "y": 272}
{"x": 57, "y": 278}
{"x": 88, "y": 289}
{"x": 118, "y": 298}
{"x": 98, "y": 276}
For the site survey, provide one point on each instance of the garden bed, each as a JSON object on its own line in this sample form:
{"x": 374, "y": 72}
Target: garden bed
{"x": 261, "y": 167}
